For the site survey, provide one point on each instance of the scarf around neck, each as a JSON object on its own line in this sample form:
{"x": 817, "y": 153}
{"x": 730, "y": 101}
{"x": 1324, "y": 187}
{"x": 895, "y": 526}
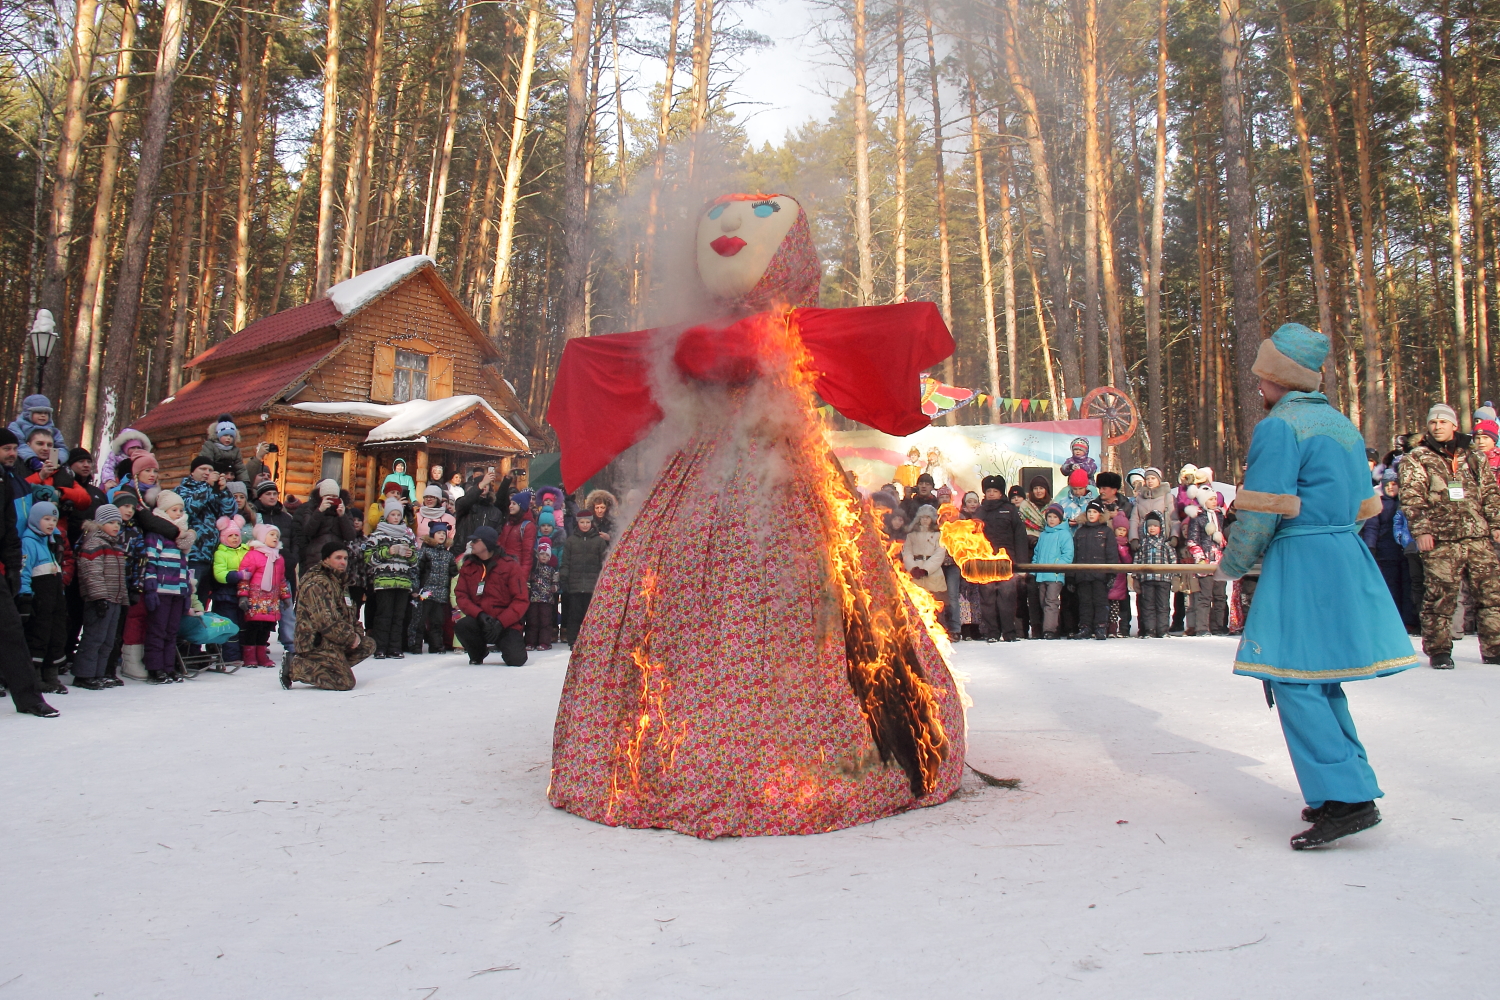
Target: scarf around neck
{"x": 272, "y": 553}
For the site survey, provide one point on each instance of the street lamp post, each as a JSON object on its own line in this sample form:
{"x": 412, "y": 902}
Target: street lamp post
{"x": 43, "y": 340}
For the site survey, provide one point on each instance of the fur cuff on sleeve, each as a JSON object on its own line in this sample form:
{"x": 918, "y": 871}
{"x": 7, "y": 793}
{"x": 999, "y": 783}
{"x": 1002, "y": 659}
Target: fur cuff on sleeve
{"x": 1285, "y": 504}
{"x": 1368, "y": 509}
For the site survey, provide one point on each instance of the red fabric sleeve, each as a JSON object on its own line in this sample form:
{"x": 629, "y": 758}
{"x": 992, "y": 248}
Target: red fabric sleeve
{"x": 601, "y": 402}
{"x": 870, "y": 359}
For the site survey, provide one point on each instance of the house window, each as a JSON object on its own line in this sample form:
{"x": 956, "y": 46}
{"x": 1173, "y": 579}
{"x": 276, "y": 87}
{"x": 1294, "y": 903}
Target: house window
{"x": 333, "y": 466}
{"x": 411, "y": 376}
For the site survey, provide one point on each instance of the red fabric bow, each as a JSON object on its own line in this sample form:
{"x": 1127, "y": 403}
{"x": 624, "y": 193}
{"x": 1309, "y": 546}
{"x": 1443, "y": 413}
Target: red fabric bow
{"x": 868, "y": 361}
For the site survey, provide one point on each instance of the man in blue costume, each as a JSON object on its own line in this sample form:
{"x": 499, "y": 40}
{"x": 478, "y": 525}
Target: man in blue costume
{"x": 1322, "y": 613}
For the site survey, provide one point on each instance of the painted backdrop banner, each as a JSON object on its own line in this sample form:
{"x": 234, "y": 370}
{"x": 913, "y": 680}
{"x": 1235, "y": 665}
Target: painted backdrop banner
{"x": 961, "y": 456}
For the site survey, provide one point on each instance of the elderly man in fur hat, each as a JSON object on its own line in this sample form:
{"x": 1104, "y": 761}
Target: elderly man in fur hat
{"x": 1322, "y": 613}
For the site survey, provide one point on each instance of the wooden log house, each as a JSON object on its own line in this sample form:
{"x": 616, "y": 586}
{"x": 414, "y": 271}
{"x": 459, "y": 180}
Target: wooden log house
{"x": 387, "y": 365}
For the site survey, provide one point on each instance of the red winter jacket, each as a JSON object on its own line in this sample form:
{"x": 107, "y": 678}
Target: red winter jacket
{"x": 505, "y": 595}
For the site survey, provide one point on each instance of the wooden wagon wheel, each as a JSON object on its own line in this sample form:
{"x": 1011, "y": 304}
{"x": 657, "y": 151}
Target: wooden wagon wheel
{"x": 1115, "y": 410}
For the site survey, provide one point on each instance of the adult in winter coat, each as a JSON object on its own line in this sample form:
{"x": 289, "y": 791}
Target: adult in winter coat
{"x": 603, "y": 505}
{"x": 1093, "y": 543}
{"x": 330, "y": 642}
{"x": 518, "y": 531}
{"x": 1203, "y": 542}
{"x": 484, "y": 504}
{"x": 205, "y": 499}
{"x": 1154, "y": 496}
{"x": 36, "y": 411}
{"x": 328, "y": 516}
{"x": 1004, "y": 529}
{"x": 1038, "y": 496}
{"x": 1322, "y": 614}
{"x": 493, "y": 596}
{"x": 1452, "y": 506}
{"x": 583, "y": 553}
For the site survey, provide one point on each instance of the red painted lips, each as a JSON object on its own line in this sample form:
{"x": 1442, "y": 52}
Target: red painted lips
{"x": 727, "y": 246}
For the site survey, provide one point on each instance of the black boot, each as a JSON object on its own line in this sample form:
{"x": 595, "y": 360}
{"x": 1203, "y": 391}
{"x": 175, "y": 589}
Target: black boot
{"x": 1101, "y": 631}
{"x": 1334, "y": 820}
{"x": 41, "y": 710}
{"x": 89, "y": 683}
{"x": 158, "y": 677}
{"x": 1440, "y": 661}
{"x": 1084, "y": 632}
{"x": 286, "y": 671}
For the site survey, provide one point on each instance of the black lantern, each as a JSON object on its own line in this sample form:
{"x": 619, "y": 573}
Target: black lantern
{"x": 43, "y": 340}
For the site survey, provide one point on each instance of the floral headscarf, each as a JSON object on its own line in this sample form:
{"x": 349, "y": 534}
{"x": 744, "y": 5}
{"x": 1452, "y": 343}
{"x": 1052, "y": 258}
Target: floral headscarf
{"x": 795, "y": 273}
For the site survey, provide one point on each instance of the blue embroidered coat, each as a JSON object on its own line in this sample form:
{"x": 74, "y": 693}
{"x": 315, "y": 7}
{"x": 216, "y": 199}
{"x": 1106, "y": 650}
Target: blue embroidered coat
{"x": 1322, "y": 612}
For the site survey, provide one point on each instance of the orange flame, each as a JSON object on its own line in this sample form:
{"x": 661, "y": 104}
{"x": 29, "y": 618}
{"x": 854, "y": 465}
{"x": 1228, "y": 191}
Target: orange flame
{"x": 978, "y": 560}
{"x": 652, "y": 726}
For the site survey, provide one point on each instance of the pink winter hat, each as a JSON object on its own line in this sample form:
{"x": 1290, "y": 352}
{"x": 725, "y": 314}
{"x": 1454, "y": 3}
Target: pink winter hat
{"x": 261, "y": 531}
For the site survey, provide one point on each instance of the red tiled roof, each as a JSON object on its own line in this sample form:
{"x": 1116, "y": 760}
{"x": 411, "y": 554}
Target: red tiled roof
{"x": 237, "y": 392}
{"x": 278, "y": 328}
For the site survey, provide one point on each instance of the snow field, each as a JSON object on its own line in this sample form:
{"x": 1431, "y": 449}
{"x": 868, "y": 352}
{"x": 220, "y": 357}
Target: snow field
{"x": 224, "y": 838}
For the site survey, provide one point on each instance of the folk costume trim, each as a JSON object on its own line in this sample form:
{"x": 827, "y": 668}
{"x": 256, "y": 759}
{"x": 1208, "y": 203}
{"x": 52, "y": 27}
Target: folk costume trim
{"x": 1376, "y": 669}
{"x": 1285, "y": 504}
{"x": 1369, "y": 507}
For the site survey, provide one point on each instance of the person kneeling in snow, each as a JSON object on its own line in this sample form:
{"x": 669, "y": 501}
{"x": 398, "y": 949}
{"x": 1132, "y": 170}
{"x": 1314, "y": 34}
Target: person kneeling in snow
{"x": 329, "y": 639}
{"x": 493, "y": 596}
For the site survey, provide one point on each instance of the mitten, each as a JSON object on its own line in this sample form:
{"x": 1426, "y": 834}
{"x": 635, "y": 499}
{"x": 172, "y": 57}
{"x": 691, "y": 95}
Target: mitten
{"x": 232, "y": 577}
{"x": 101, "y": 608}
{"x": 245, "y": 605}
{"x": 23, "y": 605}
{"x": 153, "y": 600}
{"x": 918, "y": 572}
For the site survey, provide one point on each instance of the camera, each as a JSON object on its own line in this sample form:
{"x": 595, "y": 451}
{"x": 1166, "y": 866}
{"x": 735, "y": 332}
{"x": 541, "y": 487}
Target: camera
{"x": 273, "y": 447}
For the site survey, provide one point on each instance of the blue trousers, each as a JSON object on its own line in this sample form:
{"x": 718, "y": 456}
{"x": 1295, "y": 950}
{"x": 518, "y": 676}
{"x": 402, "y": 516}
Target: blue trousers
{"x": 1326, "y": 752}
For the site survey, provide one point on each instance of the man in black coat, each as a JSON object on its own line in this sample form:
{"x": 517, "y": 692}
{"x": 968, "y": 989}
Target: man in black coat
{"x": 485, "y": 503}
{"x": 1005, "y": 529}
{"x": 16, "y": 671}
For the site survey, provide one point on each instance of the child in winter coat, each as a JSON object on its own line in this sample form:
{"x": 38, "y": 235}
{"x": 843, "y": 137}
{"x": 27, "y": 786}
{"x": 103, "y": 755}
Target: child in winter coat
{"x": 1119, "y": 589}
{"x": 1154, "y": 548}
{"x": 1053, "y": 546}
{"x": 226, "y": 589}
{"x": 1093, "y": 542}
{"x": 167, "y": 589}
{"x": 36, "y": 411}
{"x": 436, "y": 570}
{"x": 261, "y": 589}
{"x": 41, "y": 602}
{"x": 391, "y": 556}
{"x": 923, "y": 554}
{"x": 222, "y": 448}
{"x": 101, "y": 584}
{"x": 126, "y": 446}
{"x": 1203, "y": 537}
{"x": 541, "y": 616}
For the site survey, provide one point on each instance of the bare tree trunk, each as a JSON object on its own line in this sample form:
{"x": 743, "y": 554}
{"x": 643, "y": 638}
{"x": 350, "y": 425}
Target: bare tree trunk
{"x": 899, "y": 291}
{"x": 120, "y": 349}
{"x": 703, "y": 50}
{"x": 500, "y": 287}
{"x": 862, "y": 234}
{"x": 1155, "y": 384}
{"x": 328, "y": 161}
{"x": 83, "y": 358}
{"x": 1008, "y": 268}
{"x": 192, "y": 235}
{"x": 1375, "y": 426}
{"x": 1039, "y": 310}
{"x": 981, "y": 212}
{"x": 1239, "y": 196}
{"x": 1057, "y": 268}
{"x": 445, "y": 163}
{"x": 1478, "y": 214}
{"x": 1088, "y": 44}
{"x": 53, "y": 294}
{"x": 1113, "y": 322}
{"x": 252, "y": 107}
{"x": 658, "y": 170}
{"x": 362, "y": 149}
{"x": 575, "y": 176}
{"x": 1310, "y": 203}
{"x": 291, "y": 236}
{"x": 1455, "y": 216}
{"x": 945, "y": 264}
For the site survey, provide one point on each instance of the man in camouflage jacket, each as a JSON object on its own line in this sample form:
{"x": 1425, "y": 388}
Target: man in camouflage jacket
{"x": 329, "y": 639}
{"x": 1452, "y": 503}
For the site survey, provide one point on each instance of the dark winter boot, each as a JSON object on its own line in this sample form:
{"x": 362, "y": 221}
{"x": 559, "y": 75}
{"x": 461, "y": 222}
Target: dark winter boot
{"x": 286, "y": 671}
{"x": 1440, "y": 661}
{"x": 50, "y": 684}
{"x": 157, "y": 677}
{"x": 1084, "y": 632}
{"x": 1101, "y": 632}
{"x": 1335, "y": 820}
{"x": 89, "y": 683}
{"x": 40, "y": 709}
{"x": 1490, "y": 658}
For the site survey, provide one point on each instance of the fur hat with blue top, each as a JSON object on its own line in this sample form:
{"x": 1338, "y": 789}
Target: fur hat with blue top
{"x": 1293, "y": 357}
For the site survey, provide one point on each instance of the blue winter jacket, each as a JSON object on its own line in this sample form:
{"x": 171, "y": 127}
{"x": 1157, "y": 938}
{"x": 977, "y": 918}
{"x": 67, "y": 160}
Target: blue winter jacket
{"x": 1054, "y": 546}
{"x": 38, "y": 557}
{"x": 204, "y": 505}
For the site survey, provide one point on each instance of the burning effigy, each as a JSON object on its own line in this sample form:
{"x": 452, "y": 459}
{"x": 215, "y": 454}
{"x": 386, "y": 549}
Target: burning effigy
{"x": 752, "y": 663}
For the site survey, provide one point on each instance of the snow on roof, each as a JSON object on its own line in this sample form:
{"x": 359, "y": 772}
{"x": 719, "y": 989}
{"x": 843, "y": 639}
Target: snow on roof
{"x": 362, "y": 289}
{"x": 409, "y": 421}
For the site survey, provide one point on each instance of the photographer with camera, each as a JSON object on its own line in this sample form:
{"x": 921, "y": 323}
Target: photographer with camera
{"x": 260, "y": 468}
{"x": 328, "y": 516}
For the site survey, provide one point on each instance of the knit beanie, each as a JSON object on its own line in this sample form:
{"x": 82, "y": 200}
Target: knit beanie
{"x": 393, "y": 505}
{"x": 225, "y": 427}
{"x": 433, "y": 491}
{"x": 1119, "y": 520}
{"x": 79, "y": 454}
{"x": 433, "y": 527}
{"x": 522, "y": 499}
{"x": 329, "y": 548}
{"x": 7, "y": 437}
{"x": 486, "y": 535}
{"x": 1053, "y": 508}
{"x": 263, "y": 489}
{"x": 261, "y": 531}
{"x": 328, "y": 488}
{"x": 546, "y": 520}
{"x": 142, "y": 462}
{"x": 108, "y": 513}
{"x": 39, "y": 511}
{"x": 392, "y": 486}
{"x": 1078, "y": 478}
{"x": 238, "y": 488}
{"x": 1095, "y": 505}
{"x": 230, "y": 523}
{"x": 198, "y": 462}
{"x": 1442, "y": 411}
{"x": 169, "y": 498}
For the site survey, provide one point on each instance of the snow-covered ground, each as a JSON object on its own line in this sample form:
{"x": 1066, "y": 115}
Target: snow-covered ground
{"x": 223, "y": 838}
